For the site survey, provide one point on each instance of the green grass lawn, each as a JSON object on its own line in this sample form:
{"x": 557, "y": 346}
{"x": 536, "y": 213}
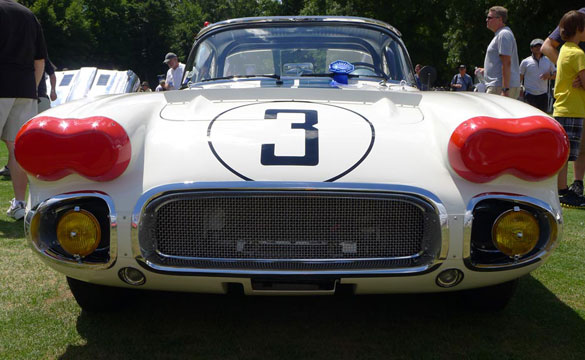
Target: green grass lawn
{"x": 39, "y": 318}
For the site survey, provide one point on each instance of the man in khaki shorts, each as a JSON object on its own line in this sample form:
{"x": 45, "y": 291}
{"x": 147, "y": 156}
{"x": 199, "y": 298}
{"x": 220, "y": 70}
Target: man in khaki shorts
{"x": 22, "y": 54}
{"x": 501, "y": 66}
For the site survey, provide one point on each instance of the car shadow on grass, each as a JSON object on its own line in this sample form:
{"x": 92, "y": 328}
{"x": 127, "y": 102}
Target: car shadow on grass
{"x": 536, "y": 324}
{"x": 11, "y": 229}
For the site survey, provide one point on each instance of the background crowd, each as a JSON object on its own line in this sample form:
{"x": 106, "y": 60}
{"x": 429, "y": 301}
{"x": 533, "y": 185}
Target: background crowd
{"x": 136, "y": 34}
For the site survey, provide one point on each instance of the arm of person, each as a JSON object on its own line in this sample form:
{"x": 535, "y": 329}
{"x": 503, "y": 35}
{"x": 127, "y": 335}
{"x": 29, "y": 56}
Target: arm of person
{"x": 53, "y": 81}
{"x": 581, "y": 76}
{"x": 550, "y": 49}
{"x": 168, "y": 80}
{"x": 580, "y": 65}
{"x": 506, "y": 72}
{"x": 39, "y": 70}
{"x": 523, "y": 65}
{"x": 548, "y": 76}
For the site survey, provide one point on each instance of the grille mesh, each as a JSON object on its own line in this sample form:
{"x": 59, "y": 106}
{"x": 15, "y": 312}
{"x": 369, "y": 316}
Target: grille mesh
{"x": 293, "y": 227}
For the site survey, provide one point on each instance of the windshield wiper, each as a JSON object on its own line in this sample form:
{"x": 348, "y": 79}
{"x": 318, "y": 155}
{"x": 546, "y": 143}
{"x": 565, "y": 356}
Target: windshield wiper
{"x": 273, "y": 76}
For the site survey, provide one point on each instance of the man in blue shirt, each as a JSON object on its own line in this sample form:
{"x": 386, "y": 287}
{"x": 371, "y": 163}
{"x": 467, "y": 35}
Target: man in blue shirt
{"x": 462, "y": 81}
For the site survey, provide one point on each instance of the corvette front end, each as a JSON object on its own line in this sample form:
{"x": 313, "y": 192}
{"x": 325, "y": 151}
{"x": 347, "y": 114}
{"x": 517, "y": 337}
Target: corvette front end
{"x": 288, "y": 180}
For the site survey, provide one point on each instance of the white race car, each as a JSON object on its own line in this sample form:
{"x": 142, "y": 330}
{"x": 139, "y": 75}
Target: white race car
{"x": 299, "y": 158}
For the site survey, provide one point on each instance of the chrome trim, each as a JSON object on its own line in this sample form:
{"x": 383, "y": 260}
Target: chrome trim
{"x": 295, "y": 19}
{"x": 58, "y": 259}
{"x": 308, "y": 261}
{"x": 245, "y": 273}
{"x": 159, "y": 191}
{"x": 553, "y": 215}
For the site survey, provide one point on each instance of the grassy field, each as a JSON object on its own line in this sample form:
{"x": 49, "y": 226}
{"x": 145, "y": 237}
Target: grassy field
{"x": 39, "y": 318}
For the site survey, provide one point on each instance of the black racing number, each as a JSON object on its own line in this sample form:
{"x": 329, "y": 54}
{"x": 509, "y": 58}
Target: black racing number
{"x": 311, "y": 157}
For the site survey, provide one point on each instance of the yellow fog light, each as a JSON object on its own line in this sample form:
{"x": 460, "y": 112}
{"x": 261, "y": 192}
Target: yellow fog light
{"x": 515, "y": 232}
{"x": 78, "y": 232}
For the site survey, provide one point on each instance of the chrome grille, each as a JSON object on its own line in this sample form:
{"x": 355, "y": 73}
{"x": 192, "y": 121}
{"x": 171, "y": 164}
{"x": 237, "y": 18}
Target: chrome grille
{"x": 290, "y": 228}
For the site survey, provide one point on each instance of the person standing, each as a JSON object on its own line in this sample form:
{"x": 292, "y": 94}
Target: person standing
{"x": 535, "y": 72}
{"x": 569, "y": 107}
{"x": 44, "y": 102}
{"x": 161, "y": 86}
{"x": 550, "y": 48}
{"x": 462, "y": 81}
{"x": 145, "y": 87}
{"x": 22, "y": 63}
{"x": 175, "y": 72}
{"x": 44, "y": 99}
{"x": 417, "y": 75}
{"x": 501, "y": 67}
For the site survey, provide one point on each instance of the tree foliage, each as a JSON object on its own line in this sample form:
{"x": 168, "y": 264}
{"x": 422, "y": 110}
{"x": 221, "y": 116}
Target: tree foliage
{"x": 136, "y": 34}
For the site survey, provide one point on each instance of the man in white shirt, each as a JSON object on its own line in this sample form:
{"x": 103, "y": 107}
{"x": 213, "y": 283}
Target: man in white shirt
{"x": 535, "y": 72}
{"x": 175, "y": 72}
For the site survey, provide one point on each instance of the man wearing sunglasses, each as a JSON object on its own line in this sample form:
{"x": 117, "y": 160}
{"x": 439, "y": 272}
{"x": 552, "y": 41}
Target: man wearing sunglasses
{"x": 501, "y": 66}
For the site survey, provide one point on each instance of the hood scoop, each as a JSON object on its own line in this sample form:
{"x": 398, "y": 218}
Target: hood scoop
{"x": 206, "y": 104}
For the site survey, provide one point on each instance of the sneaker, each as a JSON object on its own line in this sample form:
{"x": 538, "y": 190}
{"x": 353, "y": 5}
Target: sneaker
{"x": 5, "y": 171}
{"x": 577, "y": 187}
{"x": 572, "y": 200}
{"x": 16, "y": 209}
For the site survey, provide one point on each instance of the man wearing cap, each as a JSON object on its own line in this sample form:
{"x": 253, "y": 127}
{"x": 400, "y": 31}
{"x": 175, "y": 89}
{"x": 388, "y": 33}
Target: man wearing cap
{"x": 175, "y": 72}
{"x": 145, "y": 87}
{"x": 462, "y": 81}
{"x": 535, "y": 72}
{"x": 550, "y": 48}
{"x": 501, "y": 66}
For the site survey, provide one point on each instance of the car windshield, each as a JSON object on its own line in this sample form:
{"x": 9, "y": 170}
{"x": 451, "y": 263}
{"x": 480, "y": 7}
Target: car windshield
{"x": 297, "y": 49}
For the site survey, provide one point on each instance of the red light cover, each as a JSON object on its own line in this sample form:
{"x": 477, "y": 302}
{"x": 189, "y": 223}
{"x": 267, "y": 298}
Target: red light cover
{"x": 50, "y": 148}
{"x": 531, "y": 148}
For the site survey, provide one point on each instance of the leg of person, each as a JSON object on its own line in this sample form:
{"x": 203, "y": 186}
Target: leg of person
{"x": 538, "y": 101}
{"x": 44, "y": 104}
{"x": 5, "y": 107}
{"x": 496, "y": 90}
{"x": 573, "y": 127}
{"x": 530, "y": 99}
{"x": 19, "y": 179}
{"x": 562, "y": 180}
{"x": 22, "y": 110}
{"x": 541, "y": 102}
{"x": 514, "y": 93}
{"x": 579, "y": 168}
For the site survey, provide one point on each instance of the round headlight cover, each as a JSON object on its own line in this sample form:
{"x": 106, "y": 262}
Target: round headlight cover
{"x": 515, "y": 232}
{"x": 78, "y": 232}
